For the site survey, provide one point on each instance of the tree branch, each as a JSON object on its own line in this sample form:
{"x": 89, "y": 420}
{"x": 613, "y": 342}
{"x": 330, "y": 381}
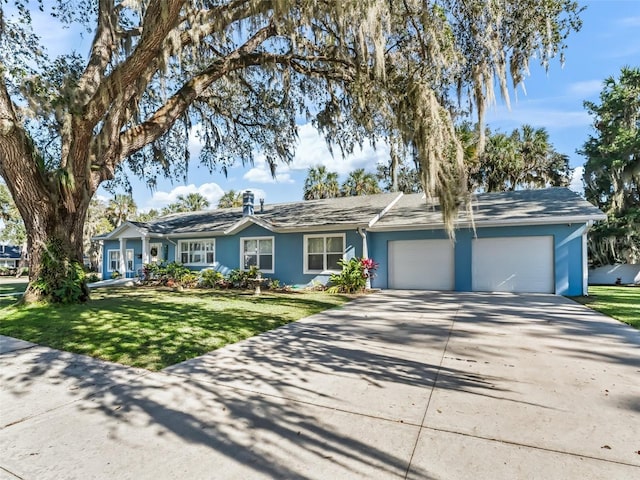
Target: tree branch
{"x": 161, "y": 121}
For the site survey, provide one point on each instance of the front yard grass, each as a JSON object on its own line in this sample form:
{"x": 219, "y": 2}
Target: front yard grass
{"x": 154, "y": 328}
{"x": 8, "y": 289}
{"x": 621, "y": 303}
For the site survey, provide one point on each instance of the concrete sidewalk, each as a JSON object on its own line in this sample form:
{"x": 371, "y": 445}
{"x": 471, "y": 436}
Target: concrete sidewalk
{"x": 392, "y": 385}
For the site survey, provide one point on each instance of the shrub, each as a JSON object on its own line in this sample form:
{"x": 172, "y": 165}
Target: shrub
{"x": 115, "y": 274}
{"x": 210, "y": 278}
{"x": 240, "y": 278}
{"x": 176, "y": 271}
{"x": 61, "y": 279}
{"x": 354, "y": 275}
{"x": 93, "y": 277}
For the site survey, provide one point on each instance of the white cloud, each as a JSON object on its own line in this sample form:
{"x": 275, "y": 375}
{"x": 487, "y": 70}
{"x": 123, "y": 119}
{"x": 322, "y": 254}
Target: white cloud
{"x": 576, "y": 180}
{"x": 262, "y": 174}
{"x": 586, "y": 88}
{"x": 210, "y": 191}
{"x": 312, "y": 151}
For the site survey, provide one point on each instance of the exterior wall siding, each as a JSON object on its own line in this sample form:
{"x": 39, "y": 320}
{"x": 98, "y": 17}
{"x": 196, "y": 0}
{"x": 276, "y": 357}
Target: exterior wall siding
{"x": 567, "y": 252}
{"x": 288, "y": 257}
{"x": 289, "y": 252}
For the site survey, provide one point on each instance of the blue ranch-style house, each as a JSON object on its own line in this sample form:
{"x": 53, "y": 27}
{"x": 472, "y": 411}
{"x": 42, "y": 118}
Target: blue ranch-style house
{"x": 521, "y": 241}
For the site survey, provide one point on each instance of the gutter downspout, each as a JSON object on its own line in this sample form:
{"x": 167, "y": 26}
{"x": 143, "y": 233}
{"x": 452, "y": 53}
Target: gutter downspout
{"x": 365, "y": 252}
{"x": 585, "y": 259}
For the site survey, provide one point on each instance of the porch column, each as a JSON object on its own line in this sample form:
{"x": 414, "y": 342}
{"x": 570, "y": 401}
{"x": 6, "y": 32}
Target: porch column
{"x": 146, "y": 251}
{"x": 123, "y": 257}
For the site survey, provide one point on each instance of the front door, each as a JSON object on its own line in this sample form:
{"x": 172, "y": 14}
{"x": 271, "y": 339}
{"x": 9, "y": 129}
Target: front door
{"x": 155, "y": 252}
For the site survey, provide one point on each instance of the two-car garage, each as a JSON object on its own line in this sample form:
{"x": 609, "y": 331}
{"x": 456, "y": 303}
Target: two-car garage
{"x": 522, "y": 264}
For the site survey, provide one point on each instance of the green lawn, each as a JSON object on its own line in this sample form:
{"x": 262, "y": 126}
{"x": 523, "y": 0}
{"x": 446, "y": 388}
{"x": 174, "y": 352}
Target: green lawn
{"x": 10, "y": 287}
{"x": 621, "y": 303}
{"x": 154, "y": 328}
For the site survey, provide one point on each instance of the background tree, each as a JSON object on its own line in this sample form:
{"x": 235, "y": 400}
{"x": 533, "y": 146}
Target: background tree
{"x": 360, "y": 182}
{"x": 147, "y": 216}
{"x": 230, "y": 199}
{"x": 405, "y": 176}
{"x": 12, "y": 231}
{"x": 96, "y": 223}
{"x": 321, "y": 183}
{"x": 242, "y": 71}
{"x": 192, "y": 202}
{"x": 120, "y": 209}
{"x": 612, "y": 170}
{"x": 523, "y": 159}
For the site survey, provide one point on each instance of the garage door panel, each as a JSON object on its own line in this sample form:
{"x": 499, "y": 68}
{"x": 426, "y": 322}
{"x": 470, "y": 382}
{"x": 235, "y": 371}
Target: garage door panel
{"x": 421, "y": 264}
{"x": 513, "y": 264}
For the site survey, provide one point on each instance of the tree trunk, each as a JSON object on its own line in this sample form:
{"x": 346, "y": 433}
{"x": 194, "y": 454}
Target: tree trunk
{"x": 53, "y": 206}
{"x": 56, "y": 253}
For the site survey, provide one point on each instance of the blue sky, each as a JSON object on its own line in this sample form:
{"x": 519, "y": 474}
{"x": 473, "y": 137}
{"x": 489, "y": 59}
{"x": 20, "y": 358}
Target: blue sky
{"x": 609, "y": 40}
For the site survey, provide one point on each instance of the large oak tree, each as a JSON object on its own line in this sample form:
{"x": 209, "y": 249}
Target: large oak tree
{"x": 612, "y": 170}
{"x": 240, "y": 74}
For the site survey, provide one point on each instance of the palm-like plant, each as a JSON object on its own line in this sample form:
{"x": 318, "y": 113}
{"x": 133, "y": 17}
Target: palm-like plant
{"x": 321, "y": 184}
{"x": 120, "y": 209}
{"x": 499, "y": 164}
{"x": 534, "y": 149}
{"x": 193, "y": 202}
{"x": 360, "y": 182}
{"x": 230, "y": 199}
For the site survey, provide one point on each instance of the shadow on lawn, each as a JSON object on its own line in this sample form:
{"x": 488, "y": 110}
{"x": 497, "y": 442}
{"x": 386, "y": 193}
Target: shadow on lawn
{"x": 153, "y": 329}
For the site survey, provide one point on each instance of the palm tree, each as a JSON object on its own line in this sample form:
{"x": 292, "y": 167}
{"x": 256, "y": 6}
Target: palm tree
{"x": 193, "y": 202}
{"x": 534, "y": 149}
{"x": 360, "y": 183}
{"x": 120, "y": 209}
{"x": 230, "y": 199}
{"x": 499, "y": 165}
{"x": 321, "y": 184}
{"x": 147, "y": 216}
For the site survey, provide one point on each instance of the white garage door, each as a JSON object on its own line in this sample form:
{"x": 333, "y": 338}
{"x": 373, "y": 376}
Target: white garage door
{"x": 513, "y": 264}
{"x": 421, "y": 264}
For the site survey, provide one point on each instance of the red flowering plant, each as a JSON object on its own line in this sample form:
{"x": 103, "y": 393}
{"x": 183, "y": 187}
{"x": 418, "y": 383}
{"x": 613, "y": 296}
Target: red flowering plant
{"x": 354, "y": 275}
{"x": 368, "y": 267}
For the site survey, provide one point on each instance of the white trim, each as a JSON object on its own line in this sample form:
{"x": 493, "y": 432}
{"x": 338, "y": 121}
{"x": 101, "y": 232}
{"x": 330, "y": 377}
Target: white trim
{"x": 273, "y": 253}
{"x": 247, "y": 222}
{"x": 305, "y": 259}
{"x": 585, "y": 260}
{"x": 375, "y": 219}
{"x": 491, "y": 223}
{"x": 159, "y": 257}
{"x": 114, "y": 233}
{"x": 123, "y": 256}
{"x": 120, "y": 262}
{"x": 204, "y": 263}
{"x": 146, "y": 257}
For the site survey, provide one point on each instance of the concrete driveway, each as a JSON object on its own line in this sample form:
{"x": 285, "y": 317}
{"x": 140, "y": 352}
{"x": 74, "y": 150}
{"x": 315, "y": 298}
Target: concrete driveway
{"x": 393, "y": 385}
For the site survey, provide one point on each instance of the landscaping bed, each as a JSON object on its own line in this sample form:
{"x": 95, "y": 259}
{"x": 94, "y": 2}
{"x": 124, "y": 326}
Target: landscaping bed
{"x": 153, "y": 328}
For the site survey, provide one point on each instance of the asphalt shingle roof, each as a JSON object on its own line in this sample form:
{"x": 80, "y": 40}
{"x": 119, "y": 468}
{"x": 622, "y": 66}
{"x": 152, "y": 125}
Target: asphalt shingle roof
{"x": 526, "y": 206}
{"x": 409, "y": 211}
{"x": 9, "y": 251}
{"x": 284, "y": 216}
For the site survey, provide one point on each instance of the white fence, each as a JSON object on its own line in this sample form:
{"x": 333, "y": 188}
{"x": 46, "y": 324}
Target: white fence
{"x": 609, "y": 274}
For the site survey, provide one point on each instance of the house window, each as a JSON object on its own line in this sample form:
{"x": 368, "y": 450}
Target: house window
{"x": 198, "y": 252}
{"x": 322, "y": 253}
{"x": 257, "y": 252}
{"x": 114, "y": 260}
